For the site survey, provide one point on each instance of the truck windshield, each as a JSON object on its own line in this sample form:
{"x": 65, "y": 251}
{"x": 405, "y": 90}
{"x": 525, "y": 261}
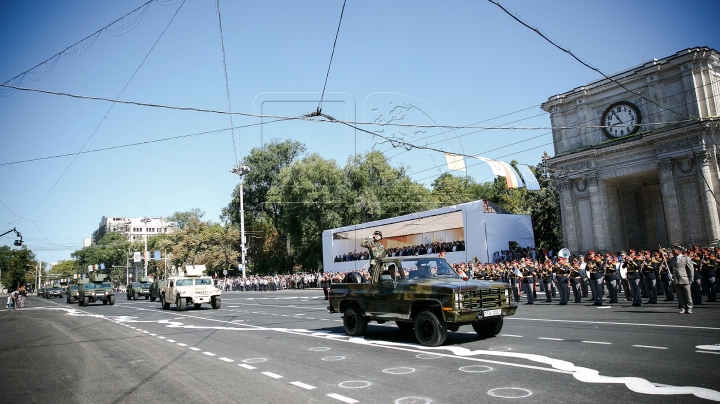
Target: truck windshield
{"x": 203, "y": 281}
{"x": 429, "y": 268}
{"x": 184, "y": 282}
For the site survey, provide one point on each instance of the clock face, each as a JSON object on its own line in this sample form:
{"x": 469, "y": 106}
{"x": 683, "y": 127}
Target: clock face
{"x": 620, "y": 119}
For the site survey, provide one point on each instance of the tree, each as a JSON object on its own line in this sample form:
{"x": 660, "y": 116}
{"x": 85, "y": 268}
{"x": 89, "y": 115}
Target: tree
{"x": 308, "y": 192}
{"x": 14, "y": 264}
{"x": 65, "y": 269}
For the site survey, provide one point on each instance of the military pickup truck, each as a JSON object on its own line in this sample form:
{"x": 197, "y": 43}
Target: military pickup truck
{"x": 423, "y": 294}
{"x": 94, "y": 289}
{"x": 189, "y": 287}
{"x": 54, "y": 291}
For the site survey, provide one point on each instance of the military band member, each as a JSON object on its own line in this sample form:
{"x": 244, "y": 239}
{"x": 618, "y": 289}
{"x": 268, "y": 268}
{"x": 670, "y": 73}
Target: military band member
{"x": 709, "y": 265}
{"x": 583, "y": 272}
{"x": 648, "y": 277}
{"x": 375, "y": 248}
{"x": 562, "y": 270}
{"x": 595, "y": 274}
{"x": 575, "y": 281}
{"x": 633, "y": 278}
{"x": 696, "y": 285}
{"x": 611, "y": 277}
{"x": 528, "y": 281}
{"x": 665, "y": 276}
{"x": 546, "y": 272}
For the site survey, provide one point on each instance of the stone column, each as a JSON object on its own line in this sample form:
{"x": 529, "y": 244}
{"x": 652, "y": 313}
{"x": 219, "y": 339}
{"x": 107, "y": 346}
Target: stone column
{"x": 670, "y": 201}
{"x": 598, "y": 201}
{"x": 568, "y": 214}
{"x": 709, "y": 204}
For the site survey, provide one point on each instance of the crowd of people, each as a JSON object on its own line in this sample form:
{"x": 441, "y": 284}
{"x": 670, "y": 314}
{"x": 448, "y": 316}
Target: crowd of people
{"x": 261, "y": 283}
{"x": 410, "y": 250}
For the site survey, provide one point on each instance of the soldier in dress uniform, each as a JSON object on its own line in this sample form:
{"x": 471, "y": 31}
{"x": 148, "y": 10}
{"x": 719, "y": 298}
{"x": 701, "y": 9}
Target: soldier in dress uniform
{"x": 583, "y": 272}
{"x": 528, "y": 281}
{"x": 665, "y": 275}
{"x": 562, "y": 270}
{"x": 648, "y": 277}
{"x": 546, "y": 272}
{"x": 682, "y": 271}
{"x": 633, "y": 278}
{"x": 576, "y": 281}
{"x": 709, "y": 265}
{"x": 375, "y": 248}
{"x": 611, "y": 277}
{"x": 595, "y": 275}
{"x": 696, "y": 285}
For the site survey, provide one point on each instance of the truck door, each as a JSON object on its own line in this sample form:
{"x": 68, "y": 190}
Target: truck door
{"x": 385, "y": 292}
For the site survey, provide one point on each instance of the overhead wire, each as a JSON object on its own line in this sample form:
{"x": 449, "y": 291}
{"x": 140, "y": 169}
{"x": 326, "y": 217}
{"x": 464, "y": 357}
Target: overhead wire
{"x": 227, "y": 84}
{"x": 337, "y": 33}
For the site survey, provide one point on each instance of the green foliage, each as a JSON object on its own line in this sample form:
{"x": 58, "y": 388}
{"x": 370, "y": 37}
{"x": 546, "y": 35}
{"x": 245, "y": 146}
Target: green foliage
{"x": 64, "y": 269}
{"x": 14, "y": 265}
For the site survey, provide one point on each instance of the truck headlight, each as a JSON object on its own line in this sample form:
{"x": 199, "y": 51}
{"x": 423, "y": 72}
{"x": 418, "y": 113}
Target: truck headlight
{"x": 459, "y": 300}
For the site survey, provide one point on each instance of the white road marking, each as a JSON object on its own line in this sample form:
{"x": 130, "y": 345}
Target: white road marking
{"x": 153, "y": 335}
{"x": 146, "y": 332}
{"x": 510, "y": 335}
{"x": 342, "y": 398}
{"x": 597, "y": 342}
{"x": 194, "y": 349}
{"x": 181, "y": 344}
{"x": 209, "y": 353}
{"x": 161, "y": 337}
{"x": 551, "y": 339}
{"x": 509, "y": 392}
{"x": 652, "y": 347}
{"x": 513, "y": 318}
{"x": 715, "y": 347}
{"x": 716, "y": 353}
{"x": 228, "y": 360}
{"x": 354, "y": 384}
{"x": 171, "y": 340}
{"x": 303, "y": 385}
{"x": 242, "y": 365}
{"x": 273, "y": 375}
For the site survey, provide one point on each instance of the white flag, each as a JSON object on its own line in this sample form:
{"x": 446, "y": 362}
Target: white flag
{"x": 455, "y": 162}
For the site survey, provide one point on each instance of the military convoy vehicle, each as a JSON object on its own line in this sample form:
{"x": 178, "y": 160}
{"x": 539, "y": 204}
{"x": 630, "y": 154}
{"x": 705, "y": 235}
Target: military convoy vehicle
{"x": 423, "y": 294}
{"x": 94, "y": 289}
{"x": 71, "y": 292}
{"x": 140, "y": 288}
{"x": 53, "y": 291}
{"x": 189, "y": 287}
{"x": 155, "y": 290}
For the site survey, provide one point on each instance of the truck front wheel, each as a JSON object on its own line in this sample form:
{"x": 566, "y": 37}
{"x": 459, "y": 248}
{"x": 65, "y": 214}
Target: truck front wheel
{"x": 489, "y": 328}
{"x": 429, "y": 329}
{"x": 215, "y": 303}
{"x": 112, "y": 300}
{"x": 165, "y": 305}
{"x": 181, "y": 303}
{"x": 355, "y": 324}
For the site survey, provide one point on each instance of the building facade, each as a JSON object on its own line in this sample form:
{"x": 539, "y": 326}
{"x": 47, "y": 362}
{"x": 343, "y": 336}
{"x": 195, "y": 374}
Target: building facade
{"x": 636, "y": 157}
{"x": 134, "y": 228}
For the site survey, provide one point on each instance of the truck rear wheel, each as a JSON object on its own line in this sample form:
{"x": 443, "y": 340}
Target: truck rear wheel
{"x": 165, "y": 305}
{"x": 489, "y": 328}
{"x": 355, "y": 324}
{"x": 215, "y": 302}
{"x": 181, "y": 303}
{"x": 429, "y": 329}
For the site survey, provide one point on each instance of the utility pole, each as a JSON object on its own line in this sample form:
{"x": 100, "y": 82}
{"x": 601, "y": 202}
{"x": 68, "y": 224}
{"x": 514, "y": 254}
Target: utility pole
{"x": 145, "y": 220}
{"x": 241, "y": 170}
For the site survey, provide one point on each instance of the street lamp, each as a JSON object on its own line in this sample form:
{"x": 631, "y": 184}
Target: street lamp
{"x": 37, "y": 274}
{"x": 145, "y": 220}
{"x": 241, "y": 170}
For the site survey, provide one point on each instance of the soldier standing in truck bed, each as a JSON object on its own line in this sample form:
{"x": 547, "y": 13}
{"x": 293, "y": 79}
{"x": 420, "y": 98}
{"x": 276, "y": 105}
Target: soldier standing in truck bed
{"x": 375, "y": 248}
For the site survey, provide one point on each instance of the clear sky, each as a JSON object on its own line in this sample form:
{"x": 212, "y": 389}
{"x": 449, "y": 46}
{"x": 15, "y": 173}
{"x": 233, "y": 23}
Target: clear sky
{"x": 424, "y": 62}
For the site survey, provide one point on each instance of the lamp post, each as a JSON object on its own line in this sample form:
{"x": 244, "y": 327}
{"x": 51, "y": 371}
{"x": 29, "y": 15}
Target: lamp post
{"x": 145, "y": 220}
{"x": 241, "y": 170}
{"x": 37, "y": 274}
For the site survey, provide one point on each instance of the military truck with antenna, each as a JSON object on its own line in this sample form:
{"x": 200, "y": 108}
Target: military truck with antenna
{"x": 96, "y": 288}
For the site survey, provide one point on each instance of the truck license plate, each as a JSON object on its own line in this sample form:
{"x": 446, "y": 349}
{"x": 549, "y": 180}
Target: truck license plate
{"x": 490, "y": 313}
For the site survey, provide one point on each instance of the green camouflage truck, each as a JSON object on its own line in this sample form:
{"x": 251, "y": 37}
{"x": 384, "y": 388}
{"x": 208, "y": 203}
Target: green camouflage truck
{"x": 53, "y": 291}
{"x": 423, "y": 294}
{"x": 96, "y": 288}
{"x": 72, "y": 293}
{"x": 139, "y": 289}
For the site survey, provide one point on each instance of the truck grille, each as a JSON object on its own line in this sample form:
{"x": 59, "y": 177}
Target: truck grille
{"x": 201, "y": 292}
{"x": 479, "y": 299}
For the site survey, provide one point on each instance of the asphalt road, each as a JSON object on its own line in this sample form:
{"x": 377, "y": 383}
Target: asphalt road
{"x": 284, "y": 347}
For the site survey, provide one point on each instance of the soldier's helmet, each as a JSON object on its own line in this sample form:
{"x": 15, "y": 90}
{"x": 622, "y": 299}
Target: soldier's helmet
{"x": 378, "y": 232}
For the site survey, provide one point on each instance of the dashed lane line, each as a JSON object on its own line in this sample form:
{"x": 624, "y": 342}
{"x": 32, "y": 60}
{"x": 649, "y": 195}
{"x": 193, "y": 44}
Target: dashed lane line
{"x": 551, "y": 339}
{"x": 303, "y": 385}
{"x": 273, "y": 375}
{"x": 597, "y": 342}
{"x": 209, "y": 353}
{"x": 651, "y": 347}
{"x": 716, "y": 353}
{"x": 242, "y": 365}
{"x": 513, "y": 318}
{"x": 171, "y": 340}
{"x": 511, "y": 335}
{"x": 342, "y": 398}
{"x": 228, "y": 360}
{"x": 181, "y": 344}
{"x": 195, "y": 349}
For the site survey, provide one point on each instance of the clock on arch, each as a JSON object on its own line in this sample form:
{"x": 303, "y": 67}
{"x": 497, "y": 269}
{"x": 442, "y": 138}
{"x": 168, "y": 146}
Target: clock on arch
{"x": 620, "y": 119}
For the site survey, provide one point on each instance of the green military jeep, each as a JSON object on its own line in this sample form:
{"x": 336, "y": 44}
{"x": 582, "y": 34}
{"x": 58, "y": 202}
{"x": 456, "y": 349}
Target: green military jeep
{"x": 72, "y": 293}
{"x": 138, "y": 289}
{"x": 94, "y": 289}
{"x": 423, "y": 294}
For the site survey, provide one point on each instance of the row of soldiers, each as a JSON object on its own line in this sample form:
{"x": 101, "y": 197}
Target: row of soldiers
{"x": 639, "y": 274}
